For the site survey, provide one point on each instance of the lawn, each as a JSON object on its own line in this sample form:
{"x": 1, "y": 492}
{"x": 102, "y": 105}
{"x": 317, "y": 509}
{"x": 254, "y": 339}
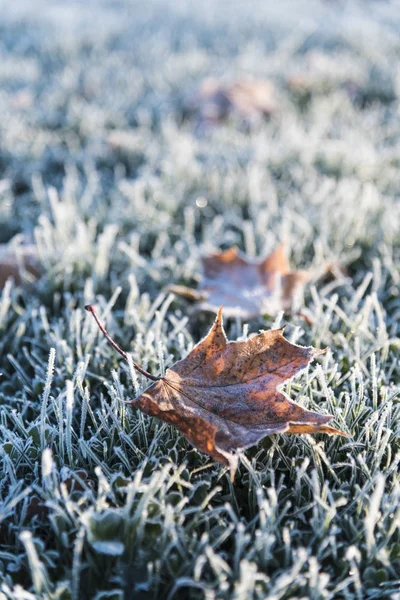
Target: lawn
{"x": 121, "y": 194}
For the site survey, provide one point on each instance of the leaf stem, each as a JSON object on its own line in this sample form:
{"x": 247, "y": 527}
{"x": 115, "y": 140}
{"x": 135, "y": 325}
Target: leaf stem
{"x": 90, "y": 308}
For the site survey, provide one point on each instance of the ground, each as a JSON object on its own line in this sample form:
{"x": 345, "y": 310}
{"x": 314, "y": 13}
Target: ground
{"x": 121, "y": 193}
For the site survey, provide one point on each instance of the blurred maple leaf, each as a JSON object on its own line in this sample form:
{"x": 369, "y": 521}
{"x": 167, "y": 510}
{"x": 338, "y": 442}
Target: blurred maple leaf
{"x": 245, "y": 287}
{"x": 215, "y": 101}
{"x": 16, "y": 260}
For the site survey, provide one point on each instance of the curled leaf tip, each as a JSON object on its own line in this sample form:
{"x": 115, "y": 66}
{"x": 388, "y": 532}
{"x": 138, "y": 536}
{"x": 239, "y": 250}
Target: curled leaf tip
{"x": 219, "y": 314}
{"x": 319, "y": 351}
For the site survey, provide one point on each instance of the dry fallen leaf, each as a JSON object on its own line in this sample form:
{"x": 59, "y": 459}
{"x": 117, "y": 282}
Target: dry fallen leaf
{"x": 215, "y": 101}
{"x": 15, "y": 259}
{"x": 223, "y": 396}
{"x": 245, "y": 287}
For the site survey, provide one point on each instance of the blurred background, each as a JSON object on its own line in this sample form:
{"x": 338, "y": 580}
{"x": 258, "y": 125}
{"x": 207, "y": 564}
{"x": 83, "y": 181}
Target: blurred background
{"x": 99, "y": 92}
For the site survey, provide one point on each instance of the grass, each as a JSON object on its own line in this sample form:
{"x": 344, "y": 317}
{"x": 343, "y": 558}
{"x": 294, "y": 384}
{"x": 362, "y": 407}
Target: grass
{"x": 99, "y": 169}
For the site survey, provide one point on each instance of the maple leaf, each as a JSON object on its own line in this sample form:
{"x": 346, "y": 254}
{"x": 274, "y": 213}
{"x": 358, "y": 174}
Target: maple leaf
{"x": 214, "y": 101}
{"x": 16, "y": 259}
{"x": 245, "y": 287}
{"x": 223, "y": 396}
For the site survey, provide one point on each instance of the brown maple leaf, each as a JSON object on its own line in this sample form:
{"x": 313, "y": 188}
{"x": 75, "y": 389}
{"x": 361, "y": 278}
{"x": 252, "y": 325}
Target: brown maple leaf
{"x": 223, "y": 396}
{"x": 245, "y": 287}
{"x": 16, "y": 259}
{"x": 215, "y": 101}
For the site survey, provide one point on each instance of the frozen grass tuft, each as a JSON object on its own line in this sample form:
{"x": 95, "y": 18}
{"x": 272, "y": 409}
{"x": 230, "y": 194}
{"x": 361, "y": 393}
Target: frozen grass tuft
{"x": 121, "y": 195}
